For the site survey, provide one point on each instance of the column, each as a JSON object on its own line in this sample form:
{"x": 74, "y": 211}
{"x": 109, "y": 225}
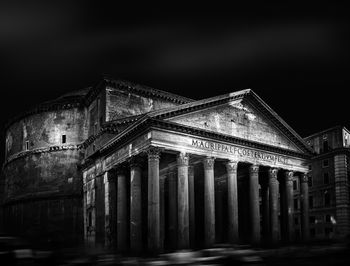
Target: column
{"x": 182, "y": 201}
{"x": 304, "y": 201}
{"x": 153, "y": 200}
{"x": 232, "y": 197}
{"x": 273, "y": 206}
{"x": 85, "y": 213}
{"x": 265, "y": 210}
{"x": 135, "y": 206}
{"x": 172, "y": 209}
{"x": 192, "y": 212}
{"x": 110, "y": 208}
{"x": 90, "y": 212}
{"x": 289, "y": 206}
{"x": 122, "y": 215}
{"x": 162, "y": 212}
{"x": 209, "y": 202}
{"x": 342, "y": 196}
{"x": 254, "y": 203}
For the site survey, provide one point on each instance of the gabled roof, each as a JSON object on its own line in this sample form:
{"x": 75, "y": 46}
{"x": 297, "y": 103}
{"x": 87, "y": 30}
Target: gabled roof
{"x": 157, "y": 118}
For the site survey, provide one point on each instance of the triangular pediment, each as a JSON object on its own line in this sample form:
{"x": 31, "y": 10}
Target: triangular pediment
{"x": 241, "y": 119}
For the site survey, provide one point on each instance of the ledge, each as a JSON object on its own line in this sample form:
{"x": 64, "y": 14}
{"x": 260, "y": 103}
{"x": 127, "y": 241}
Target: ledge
{"x": 42, "y": 150}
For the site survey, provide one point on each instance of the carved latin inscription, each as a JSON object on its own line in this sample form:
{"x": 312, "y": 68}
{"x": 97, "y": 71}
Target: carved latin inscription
{"x": 243, "y": 152}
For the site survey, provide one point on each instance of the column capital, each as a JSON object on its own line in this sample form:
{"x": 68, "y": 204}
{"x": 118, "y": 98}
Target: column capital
{"x": 208, "y": 163}
{"x": 289, "y": 176}
{"x": 304, "y": 177}
{"x": 273, "y": 172}
{"x": 231, "y": 166}
{"x": 182, "y": 159}
{"x": 254, "y": 169}
{"x": 153, "y": 152}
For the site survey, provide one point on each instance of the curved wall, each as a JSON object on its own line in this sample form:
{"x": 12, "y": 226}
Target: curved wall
{"x": 43, "y": 184}
{"x": 45, "y": 129}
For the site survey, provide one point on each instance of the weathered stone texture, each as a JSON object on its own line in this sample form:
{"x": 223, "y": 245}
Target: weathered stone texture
{"x": 50, "y": 172}
{"x": 46, "y": 129}
{"x": 237, "y": 119}
{"x": 342, "y": 194}
{"x": 121, "y": 104}
{"x": 43, "y": 186}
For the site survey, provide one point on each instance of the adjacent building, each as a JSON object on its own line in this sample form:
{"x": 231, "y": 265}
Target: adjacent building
{"x": 127, "y": 166}
{"x": 329, "y": 183}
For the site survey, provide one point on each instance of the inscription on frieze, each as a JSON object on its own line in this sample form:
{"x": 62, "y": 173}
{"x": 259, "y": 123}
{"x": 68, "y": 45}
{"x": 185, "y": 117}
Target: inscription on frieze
{"x": 239, "y": 151}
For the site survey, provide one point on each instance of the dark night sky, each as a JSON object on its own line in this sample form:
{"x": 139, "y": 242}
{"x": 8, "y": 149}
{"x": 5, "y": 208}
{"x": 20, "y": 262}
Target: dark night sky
{"x": 296, "y": 58}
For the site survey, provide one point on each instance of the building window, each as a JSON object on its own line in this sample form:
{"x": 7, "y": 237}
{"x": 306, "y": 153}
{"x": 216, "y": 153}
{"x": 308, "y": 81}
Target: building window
{"x": 328, "y": 218}
{"x": 326, "y": 178}
{"x": 64, "y": 139}
{"x": 327, "y": 198}
{"x": 27, "y": 145}
{"x": 311, "y": 202}
{"x": 295, "y": 185}
{"x": 310, "y": 181}
{"x": 325, "y": 143}
{"x": 312, "y": 219}
{"x": 325, "y": 163}
{"x": 296, "y": 204}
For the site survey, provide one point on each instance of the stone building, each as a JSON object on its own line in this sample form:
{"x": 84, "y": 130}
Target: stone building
{"x": 125, "y": 165}
{"x": 329, "y": 183}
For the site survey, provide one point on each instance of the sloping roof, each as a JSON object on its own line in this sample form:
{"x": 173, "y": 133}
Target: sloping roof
{"x": 136, "y": 88}
{"x": 247, "y": 94}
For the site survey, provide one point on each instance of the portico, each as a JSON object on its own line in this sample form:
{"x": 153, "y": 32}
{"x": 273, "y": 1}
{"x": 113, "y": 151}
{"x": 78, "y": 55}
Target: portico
{"x": 187, "y": 170}
{"x": 181, "y": 186}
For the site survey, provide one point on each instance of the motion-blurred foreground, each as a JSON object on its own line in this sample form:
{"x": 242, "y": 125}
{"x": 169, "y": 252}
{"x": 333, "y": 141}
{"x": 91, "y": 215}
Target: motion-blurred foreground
{"x": 16, "y": 251}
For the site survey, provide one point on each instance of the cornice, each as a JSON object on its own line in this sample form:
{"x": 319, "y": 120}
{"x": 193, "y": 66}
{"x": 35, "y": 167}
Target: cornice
{"x": 203, "y": 104}
{"x": 110, "y": 127}
{"x": 279, "y": 123}
{"x": 152, "y": 123}
{"x": 332, "y": 152}
{"x": 225, "y": 138}
{"x": 247, "y": 95}
{"x": 42, "y": 150}
{"x": 146, "y": 91}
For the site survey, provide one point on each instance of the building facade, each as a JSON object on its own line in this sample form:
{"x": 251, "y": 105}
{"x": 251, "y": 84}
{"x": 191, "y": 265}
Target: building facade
{"x": 329, "y": 183}
{"x": 127, "y": 166}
